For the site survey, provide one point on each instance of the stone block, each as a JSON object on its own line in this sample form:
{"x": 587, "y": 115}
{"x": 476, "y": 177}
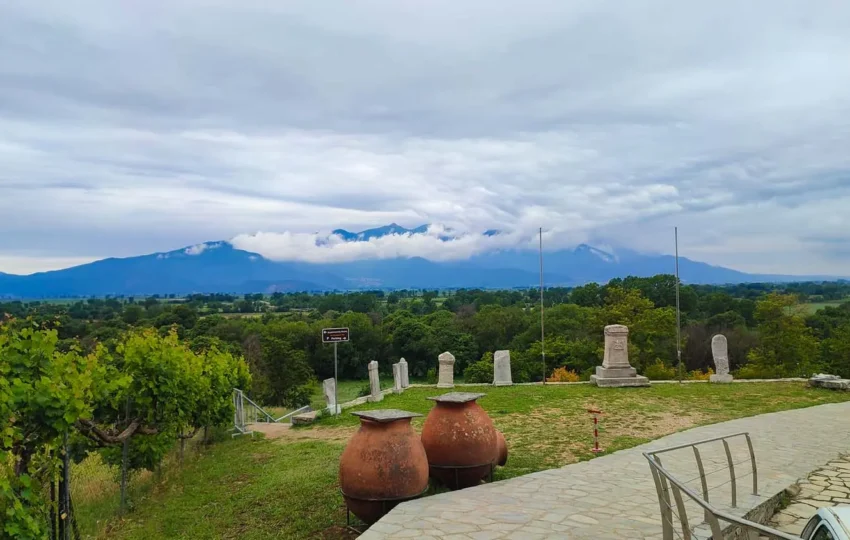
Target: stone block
{"x": 397, "y": 387}
{"x": 620, "y": 382}
{"x": 718, "y": 378}
{"x": 304, "y": 418}
{"x": 446, "y": 377}
{"x": 502, "y": 368}
{"x": 375, "y": 393}
{"x": 405, "y": 376}
{"x": 615, "y": 373}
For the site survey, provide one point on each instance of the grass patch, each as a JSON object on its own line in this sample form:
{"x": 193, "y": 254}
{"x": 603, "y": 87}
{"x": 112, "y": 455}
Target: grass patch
{"x": 287, "y": 488}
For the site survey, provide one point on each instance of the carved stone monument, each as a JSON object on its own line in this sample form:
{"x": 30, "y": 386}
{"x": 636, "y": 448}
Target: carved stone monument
{"x": 502, "y": 368}
{"x": 720, "y": 352}
{"x": 446, "y": 374}
{"x": 615, "y": 370}
{"x": 374, "y": 382}
{"x": 397, "y": 388}
{"x": 405, "y": 378}
{"x": 329, "y": 391}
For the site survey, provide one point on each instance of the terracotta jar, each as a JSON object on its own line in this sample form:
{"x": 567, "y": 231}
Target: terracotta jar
{"x": 383, "y": 464}
{"x": 502, "y": 445}
{"x": 460, "y": 440}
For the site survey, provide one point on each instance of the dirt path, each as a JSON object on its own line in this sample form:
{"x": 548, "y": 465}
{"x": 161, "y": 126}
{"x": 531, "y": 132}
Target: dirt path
{"x": 284, "y": 433}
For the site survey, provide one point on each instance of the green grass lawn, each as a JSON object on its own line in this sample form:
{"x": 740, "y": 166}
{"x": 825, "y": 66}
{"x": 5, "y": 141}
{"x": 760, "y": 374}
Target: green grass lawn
{"x": 287, "y": 488}
{"x": 808, "y": 308}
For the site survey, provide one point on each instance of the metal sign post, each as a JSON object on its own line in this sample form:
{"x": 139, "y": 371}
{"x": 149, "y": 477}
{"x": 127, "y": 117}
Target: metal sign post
{"x": 335, "y": 336}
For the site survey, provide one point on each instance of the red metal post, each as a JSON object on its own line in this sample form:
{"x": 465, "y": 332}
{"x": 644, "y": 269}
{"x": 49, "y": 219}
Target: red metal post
{"x": 595, "y": 413}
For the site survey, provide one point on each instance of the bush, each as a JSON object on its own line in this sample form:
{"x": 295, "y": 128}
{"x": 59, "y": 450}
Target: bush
{"x": 659, "y": 371}
{"x": 562, "y": 374}
{"x": 697, "y": 375}
{"x": 431, "y": 376}
{"x": 365, "y": 390}
{"x": 752, "y": 371}
{"x": 481, "y": 371}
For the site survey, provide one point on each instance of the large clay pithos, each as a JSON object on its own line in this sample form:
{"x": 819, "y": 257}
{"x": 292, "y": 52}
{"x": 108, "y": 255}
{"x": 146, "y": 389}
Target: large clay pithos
{"x": 502, "y": 445}
{"x": 460, "y": 440}
{"x": 383, "y": 464}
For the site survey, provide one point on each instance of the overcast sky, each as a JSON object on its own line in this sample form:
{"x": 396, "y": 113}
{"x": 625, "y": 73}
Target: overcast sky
{"x": 137, "y": 126}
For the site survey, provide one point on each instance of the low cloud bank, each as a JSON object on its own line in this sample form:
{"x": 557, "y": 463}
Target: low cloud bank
{"x": 437, "y": 244}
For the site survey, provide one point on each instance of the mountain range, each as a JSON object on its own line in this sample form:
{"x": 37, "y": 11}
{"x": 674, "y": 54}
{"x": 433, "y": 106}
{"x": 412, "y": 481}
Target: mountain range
{"x": 221, "y": 267}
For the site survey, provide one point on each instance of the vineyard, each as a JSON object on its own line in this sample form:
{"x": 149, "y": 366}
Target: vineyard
{"x": 131, "y": 404}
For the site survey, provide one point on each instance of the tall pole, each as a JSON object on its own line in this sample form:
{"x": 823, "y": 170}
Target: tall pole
{"x": 542, "y": 333}
{"x": 336, "y": 384}
{"x": 678, "y": 312}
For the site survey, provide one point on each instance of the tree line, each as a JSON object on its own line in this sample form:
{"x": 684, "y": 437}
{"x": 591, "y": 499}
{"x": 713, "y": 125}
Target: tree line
{"x": 768, "y": 332}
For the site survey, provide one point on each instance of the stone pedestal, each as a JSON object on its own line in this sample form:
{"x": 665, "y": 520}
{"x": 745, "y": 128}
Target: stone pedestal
{"x": 405, "y": 377}
{"x": 615, "y": 370}
{"x": 502, "y": 368}
{"x": 397, "y": 388}
{"x": 446, "y": 376}
{"x": 374, "y": 382}
{"x": 720, "y": 353}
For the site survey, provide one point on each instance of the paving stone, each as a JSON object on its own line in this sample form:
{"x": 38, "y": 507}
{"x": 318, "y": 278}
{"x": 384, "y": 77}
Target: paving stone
{"x": 614, "y": 497}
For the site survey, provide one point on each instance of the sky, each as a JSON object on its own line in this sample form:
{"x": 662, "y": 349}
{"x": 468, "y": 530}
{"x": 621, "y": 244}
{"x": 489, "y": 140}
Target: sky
{"x": 135, "y": 127}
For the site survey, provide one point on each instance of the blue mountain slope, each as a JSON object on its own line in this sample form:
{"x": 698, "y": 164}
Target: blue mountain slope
{"x": 219, "y": 267}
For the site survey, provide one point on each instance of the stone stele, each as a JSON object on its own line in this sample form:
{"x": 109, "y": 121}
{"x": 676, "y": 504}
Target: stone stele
{"x": 374, "y": 382}
{"x": 615, "y": 370}
{"x": 502, "y": 368}
{"x": 405, "y": 377}
{"x": 328, "y": 389}
{"x": 720, "y": 352}
{"x": 446, "y": 377}
{"x": 397, "y": 388}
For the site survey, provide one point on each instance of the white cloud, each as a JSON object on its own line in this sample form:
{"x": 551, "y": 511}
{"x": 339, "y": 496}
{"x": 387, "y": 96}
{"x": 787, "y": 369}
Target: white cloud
{"x": 437, "y": 244}
{"x": 200, "y": 248}
{"x": 147, "y": 128}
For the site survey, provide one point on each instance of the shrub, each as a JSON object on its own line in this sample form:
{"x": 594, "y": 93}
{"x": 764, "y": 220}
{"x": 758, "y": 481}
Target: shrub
{"x": 697, "y": 375}
{"x": 480, "y": 371}
{"x": 365, "y": 390}
{"x": 659, "y": 371}
{"x": 562, "y": 374}
{"x": 752, "y": 371}
{"x": 431, "y": 376}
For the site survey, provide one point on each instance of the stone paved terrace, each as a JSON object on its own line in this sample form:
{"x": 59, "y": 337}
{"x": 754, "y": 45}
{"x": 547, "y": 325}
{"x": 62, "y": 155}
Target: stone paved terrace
{"x": 613, "y": 496}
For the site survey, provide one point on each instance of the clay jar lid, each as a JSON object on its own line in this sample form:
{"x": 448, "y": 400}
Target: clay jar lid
{"x": 457, "y": 397}
{"x": 385, "y": 415}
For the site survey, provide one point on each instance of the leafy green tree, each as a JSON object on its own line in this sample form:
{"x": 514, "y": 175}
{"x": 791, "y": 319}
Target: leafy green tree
{"x": 480, "y": 371}
{"x": 43, "y": 392}
{"x": 787, "y": 348}
{"x": 590, "y": 295}
{"x": 836, "y": 351}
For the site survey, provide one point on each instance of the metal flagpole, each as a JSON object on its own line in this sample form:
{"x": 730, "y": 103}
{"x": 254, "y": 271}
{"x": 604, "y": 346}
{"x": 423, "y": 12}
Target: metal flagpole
{"x": 542, "y": 333}
{"x": 336, "y": 384}
{"x": 678, "y": 312}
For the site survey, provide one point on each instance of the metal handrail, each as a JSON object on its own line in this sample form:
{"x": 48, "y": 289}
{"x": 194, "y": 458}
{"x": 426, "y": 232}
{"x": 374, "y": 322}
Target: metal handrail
{"x": 296, "y": 411}
{"x": 666, "y": 484}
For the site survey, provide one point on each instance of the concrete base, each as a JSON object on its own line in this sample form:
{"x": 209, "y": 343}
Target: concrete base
{"x": 445, "y": 386}
{"x": 304, "y": 418}
{"x": 615, "y": 372}
{"x": 500, "y": 383}
{"x": 619, "y": 382}
{"x": 720, "y": 378}
{"x": 375, "y": 399}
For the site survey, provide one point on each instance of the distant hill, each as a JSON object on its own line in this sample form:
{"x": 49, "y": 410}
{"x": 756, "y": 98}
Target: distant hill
{"x": 220, "y": 267}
